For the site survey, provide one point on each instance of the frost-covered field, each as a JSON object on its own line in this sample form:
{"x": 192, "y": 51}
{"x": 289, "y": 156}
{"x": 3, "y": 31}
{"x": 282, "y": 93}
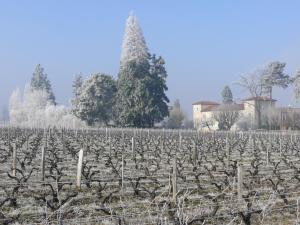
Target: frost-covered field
{"x": 133, "y": 176}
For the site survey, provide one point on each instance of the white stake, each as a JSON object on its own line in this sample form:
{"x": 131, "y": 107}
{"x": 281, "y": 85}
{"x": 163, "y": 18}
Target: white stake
{"x": 79, "y": 169}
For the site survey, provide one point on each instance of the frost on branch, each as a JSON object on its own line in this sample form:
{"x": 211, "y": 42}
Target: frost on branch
{"x": 134, "y": 45}
{"x": 34, "y": 109}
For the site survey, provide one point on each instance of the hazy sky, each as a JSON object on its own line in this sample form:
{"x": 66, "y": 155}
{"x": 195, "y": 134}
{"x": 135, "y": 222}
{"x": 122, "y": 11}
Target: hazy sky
{"x": 206, "y": 44}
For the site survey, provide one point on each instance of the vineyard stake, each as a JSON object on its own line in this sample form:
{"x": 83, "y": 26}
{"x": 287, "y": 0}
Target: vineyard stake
{"x": 180, "y": 142}
{"x": 122, "y": 174}
{"x": 27, "y": 141}
{"x": 268, "y": 155}
{"x": 228, "y": 153}
{"x": 79, "y": 169}
{"x": 174, "y": 181}
{"x": 43, "y": 162}
{"x": 62, "y": 140}
{"x": 109, "y": 145}
{"x": 240, "y": 182}
{"x": 297, "y": 211}
{"x": 133, "y": 147}
{"x": 280, "y": 146}
{"x": 195, "y": 152}
{"x": 170, "y": 181}
{"x": 14, "y": 159}
{"x": 106, "y": 133}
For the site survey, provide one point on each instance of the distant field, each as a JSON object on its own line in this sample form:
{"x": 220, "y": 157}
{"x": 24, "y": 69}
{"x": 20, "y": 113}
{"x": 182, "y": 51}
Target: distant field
{"x": 133, "y": 176}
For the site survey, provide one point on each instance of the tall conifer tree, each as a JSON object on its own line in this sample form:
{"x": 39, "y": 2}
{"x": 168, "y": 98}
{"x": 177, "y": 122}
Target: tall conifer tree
{"x": 40, "y": 81}
{"x": 141, "y": 99}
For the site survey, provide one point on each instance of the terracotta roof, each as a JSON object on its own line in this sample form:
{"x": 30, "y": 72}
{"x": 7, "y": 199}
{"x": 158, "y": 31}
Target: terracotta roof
{"x": 209, "y": 108}
{"x": 229, "y": 107}
{"x": 205, "y": 103}
{"x": 259, "y": 98}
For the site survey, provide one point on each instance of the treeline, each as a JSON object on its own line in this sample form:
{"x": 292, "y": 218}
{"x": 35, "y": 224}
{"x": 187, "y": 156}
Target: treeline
{"x": 137, "y": 98}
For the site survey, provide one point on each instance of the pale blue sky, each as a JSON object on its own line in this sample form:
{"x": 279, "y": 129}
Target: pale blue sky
{"x": 206, "y": 44}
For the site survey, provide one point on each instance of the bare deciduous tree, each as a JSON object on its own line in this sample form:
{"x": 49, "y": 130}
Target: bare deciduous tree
{"x": 226, "y": 116}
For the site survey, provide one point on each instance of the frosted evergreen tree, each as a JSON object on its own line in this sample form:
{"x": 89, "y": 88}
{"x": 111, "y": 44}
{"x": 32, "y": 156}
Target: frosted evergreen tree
{"x": 227, "y": 95}
{"x": 141, "y": 99}
{"x": 158, "y": 88}
{"x": 40, "y": 82}
{"x": 273, "y": 75}
{"x": 134, "y": 45}
{"x": 77, "y": 84}
{"x": 95, "y": 100}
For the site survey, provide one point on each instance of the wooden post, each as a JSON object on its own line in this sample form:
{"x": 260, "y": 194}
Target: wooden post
{"x": 268, "y": 155}
{"x": 280, "y": 146}
{"x": 174, "y": 182}
{"x": 228, "y": 153}
{"x": 195, "y": 154}
{"x": 240, "y": 182}
{"x": 180, "y": 141}
{"x": 43, "y": 163}
{"x": 62, "y": 133}
{"x": 106, "y": 133}
{"x": 63, "y": 141}
{"x": 297, "y": 214}
{"x": 8, "y": 135}
{"x": 122, "y": 174}
{"x": 79, "y": 169}
{"x": 163, "y": 141}
{"x": 14, "y": 163}
{"x": 133, "y": 147}
{"x": 170, "y": 181}
{"x": 109, "y": 146}
{"x": 27, "y": 142}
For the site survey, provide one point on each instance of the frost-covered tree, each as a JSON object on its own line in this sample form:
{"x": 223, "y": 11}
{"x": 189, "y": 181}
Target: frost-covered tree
{"x": 157, "y": 88}
{"x": 252, "y": 83}
{"x": 296, "y": 84}
{"x": 40, "y": 82}
{"x": 226, "y": 116}
{"x": 176, "y": 116}
{"x": 227, "y": 113}
{"x": 260, "y": 83}
{"x": 273, "y": 75}
{"x": 16, "y": 112}
{"x": 134, "y": 45}
{"x": 227, "y": 95}
{"x": 95, "y": 100}
{"x": 77, "y": 85}
{"x": 133, "y": 100}
{"x": 141, "y": 99}
{"x": 34, "y": 109}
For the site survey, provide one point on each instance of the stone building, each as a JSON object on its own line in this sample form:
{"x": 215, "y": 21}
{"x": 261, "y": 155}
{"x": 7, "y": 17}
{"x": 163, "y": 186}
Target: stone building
{"x": 257, "y": 112}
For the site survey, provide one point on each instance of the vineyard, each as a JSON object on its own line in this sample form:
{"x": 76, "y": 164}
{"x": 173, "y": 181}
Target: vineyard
{"x": 135, "y": 176}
